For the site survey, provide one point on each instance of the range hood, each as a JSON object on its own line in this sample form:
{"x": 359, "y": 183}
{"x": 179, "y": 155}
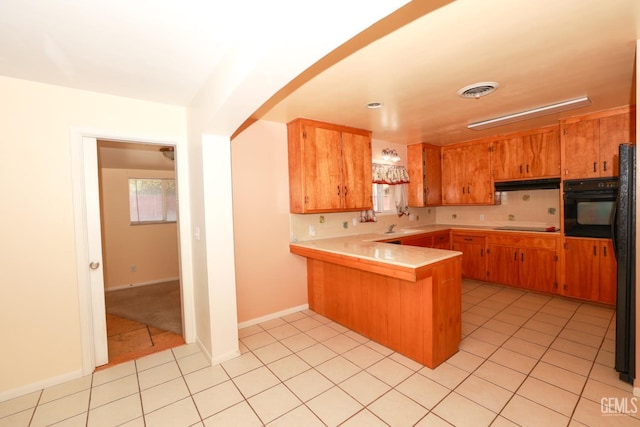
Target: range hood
{"x": 532, "y": 184}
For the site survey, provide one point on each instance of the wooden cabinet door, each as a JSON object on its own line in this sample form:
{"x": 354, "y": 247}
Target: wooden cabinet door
{"x": 433, "y": 174}
{"x": 538, "y": 270}
{"x": 441, "y": 240}
{"x": 582, "y": 268}
{"x": 453, "y": 175}
{"x": 477, "y": 168}
{"x": 614, "y": 130}
{"x": 608, "y": 273}
{"x": 507, "y": 162}
{"x": 356, "y": 169}
{"x": 473, "y": 259}
{"x": 416, "y": 162}
{"x": 422, "y": 240}
{"x": 581, "y": 149}
{"x": 425, "y": 175}
{"x": 502, "y": 265}
{"x": 322, "y": 169}
{"x": 541, "y": 155}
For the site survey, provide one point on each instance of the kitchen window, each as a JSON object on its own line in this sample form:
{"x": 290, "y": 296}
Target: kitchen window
{"x": 152, "y": 201}
{"x": 390, "y": 189}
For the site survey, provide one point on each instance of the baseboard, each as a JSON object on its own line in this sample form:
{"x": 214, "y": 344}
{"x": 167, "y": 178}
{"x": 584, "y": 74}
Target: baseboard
{"x": 40, "y": 385}
{"x": 218, "y": 359}
{"x": 136, "y": 285}
{"x": 272, "y": 316}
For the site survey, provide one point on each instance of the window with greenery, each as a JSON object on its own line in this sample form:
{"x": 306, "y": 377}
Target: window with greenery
{"x": 152, "y": 200}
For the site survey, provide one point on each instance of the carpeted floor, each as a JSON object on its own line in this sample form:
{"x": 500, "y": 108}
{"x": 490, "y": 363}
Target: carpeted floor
{"x": 154, "y": 305}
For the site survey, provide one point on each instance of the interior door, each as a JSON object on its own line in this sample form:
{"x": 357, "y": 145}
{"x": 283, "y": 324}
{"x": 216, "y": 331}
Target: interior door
{"x": 94, "y": 246}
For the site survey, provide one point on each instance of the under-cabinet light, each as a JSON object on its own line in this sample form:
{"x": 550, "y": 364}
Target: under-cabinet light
{"x": 530, "y": 114}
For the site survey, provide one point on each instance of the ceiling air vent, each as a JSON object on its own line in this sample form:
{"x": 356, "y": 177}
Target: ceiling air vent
{"x": 477, "y": 90}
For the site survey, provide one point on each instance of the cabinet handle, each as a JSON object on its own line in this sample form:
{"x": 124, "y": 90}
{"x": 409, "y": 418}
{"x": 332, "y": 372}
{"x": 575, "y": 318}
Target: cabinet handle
{"x": 605, "y": 165}
{"x": 604, "y": 249}
{"x": 338, "y": 190}
{"x": 515, "y": 256}
{"x": 594, "y": 166}
{"x": 527, "y": 168}
{"x": 468, "y": 191}
{"x": 522, "y": 257}
{"x": 521, "y": 169}
{"x": 468, "y": 239}
{"x": 482, "y": 252}
{"x": 346, "y": 190}
{"x": 595, "y": 250}
{"x": 462, "y": 190}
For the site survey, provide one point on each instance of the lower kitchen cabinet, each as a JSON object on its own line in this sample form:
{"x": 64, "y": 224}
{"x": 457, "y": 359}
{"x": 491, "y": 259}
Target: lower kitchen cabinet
{"x": 422, "y": 240}
{"x": 472, "y": 247}
{"x": 590, "y": 269}
{"x": 524, "y": 261}
{"x": 441, "y": 240}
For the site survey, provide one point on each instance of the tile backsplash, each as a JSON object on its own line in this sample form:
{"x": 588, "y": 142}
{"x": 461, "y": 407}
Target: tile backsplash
{"x": 345, "y": 223}
{"x": 532, "y": 208}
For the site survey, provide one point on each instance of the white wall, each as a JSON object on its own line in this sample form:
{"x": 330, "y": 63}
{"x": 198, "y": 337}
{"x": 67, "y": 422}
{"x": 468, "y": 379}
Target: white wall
{"x": 39, "y": 305}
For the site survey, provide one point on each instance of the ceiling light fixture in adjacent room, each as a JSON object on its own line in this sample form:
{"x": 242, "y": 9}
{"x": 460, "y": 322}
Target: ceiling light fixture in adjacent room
{"x": 530, "y": 114}
{"x": 168, "y": 152}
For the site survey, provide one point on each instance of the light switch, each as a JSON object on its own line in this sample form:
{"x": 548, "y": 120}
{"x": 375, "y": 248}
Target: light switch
{"x": 312, "y": 230}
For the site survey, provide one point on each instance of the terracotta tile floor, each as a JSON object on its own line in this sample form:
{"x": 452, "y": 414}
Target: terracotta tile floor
{"x": 525, "y": 360}
{"x": 128, "y": 340}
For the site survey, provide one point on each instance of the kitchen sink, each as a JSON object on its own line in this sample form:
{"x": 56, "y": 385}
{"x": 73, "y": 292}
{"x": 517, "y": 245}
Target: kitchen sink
{"x": 400, "y": 232}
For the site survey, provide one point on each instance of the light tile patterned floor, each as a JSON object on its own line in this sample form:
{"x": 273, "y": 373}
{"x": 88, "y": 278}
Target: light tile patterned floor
{"x": 525, "y": 359}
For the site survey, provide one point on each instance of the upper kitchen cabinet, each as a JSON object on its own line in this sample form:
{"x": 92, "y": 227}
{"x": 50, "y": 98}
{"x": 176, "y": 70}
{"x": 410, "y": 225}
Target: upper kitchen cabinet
{"x": 590, "y": 143}
{"x": 527, "y": 155}
{"x": 329, "y": 167}
{"x": 466, "y": 174}
{"x": 425, "y": 175}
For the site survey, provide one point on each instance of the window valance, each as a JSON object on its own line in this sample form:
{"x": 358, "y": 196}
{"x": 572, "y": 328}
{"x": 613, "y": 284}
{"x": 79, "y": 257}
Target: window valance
{"x": 390, "y": 174}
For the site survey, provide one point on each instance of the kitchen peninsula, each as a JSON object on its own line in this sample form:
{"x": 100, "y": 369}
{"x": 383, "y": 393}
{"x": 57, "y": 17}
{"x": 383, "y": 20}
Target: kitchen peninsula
{"x": 407, "y": 298}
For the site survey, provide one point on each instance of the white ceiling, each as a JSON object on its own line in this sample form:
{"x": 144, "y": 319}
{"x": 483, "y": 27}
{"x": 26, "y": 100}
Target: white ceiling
{"x": 540, "y": 51}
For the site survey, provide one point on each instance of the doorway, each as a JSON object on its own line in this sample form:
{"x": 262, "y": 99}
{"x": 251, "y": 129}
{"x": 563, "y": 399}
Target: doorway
{"x": 140, "y": 248}
{"x": 88, "y": 238}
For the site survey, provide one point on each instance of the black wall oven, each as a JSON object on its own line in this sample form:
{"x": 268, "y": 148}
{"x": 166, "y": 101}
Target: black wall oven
{"x": 589, "y": 207}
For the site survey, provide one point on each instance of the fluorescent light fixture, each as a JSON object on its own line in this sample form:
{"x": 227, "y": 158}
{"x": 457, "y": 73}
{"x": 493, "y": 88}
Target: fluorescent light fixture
{"x": 530, "y": 114}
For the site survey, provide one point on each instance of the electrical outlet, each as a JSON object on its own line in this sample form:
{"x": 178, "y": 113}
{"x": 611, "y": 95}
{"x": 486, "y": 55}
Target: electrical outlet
{"x": 345, "y": 224}
{"x": 481, "y": 217}
{"x": 312, "y": 230}
{"x": 133, "y": 268}
{"x": 354, "y": 221}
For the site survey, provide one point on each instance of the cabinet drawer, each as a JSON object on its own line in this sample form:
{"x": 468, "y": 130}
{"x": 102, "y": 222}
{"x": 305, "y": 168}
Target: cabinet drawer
{"x": 523, "y": 241}
{"x": 465, "y": 238}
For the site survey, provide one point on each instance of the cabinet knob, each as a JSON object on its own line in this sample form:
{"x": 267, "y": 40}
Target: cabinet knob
{"x": 338, "y": 187}
{"x": 605, "y": 165}
{"x": 595, "y": 166}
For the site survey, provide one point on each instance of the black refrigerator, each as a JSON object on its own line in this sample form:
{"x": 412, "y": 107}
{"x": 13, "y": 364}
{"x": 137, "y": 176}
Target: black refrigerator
{"x": 624, "y": 239}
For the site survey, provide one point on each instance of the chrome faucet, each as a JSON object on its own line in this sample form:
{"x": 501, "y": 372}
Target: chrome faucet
{"x": 390, "y": 230}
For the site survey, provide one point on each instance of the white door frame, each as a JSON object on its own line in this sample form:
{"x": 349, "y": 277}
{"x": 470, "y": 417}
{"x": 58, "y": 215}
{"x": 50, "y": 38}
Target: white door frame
{"x": 84, "y": 163}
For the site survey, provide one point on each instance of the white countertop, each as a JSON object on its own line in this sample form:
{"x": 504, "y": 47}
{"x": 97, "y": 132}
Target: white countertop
{"x": 367, "y": 246}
